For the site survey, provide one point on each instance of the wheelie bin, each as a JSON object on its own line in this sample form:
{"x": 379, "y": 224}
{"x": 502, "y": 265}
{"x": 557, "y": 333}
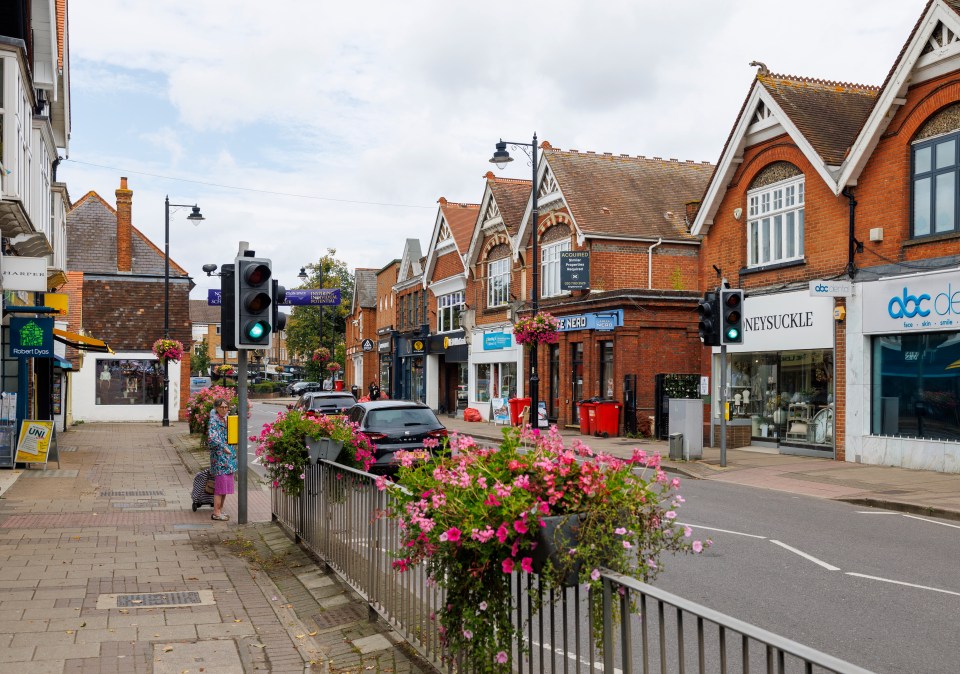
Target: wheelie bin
{"x": 517, "y": 405}
{"x": 608, "y": 419}
{"x": 588, "y": 412}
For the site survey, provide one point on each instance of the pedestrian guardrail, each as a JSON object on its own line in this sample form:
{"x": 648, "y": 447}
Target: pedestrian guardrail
{"x": 339, "y": 518}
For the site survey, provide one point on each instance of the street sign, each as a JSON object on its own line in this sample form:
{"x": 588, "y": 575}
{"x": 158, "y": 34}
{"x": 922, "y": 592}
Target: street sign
{"x": 574, "y": 270}
{"x": 327, "y": 297}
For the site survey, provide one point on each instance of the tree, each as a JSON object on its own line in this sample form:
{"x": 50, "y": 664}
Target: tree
{"x": 200, "y": 363}
{"x": 303, "y": 327}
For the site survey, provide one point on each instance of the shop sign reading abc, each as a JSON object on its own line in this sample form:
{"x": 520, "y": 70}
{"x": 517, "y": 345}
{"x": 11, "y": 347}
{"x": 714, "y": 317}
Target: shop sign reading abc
{"x": 930, "y": 302}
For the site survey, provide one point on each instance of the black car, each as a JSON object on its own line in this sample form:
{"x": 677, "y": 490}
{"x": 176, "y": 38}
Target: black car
{"x": 394, "y": 425}
{"x": 301, "y": 387}
{"x": 325, "y": 402}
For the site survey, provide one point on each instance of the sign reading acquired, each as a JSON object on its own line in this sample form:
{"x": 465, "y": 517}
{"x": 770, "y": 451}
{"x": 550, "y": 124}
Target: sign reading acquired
{"x": 574, "y": 270}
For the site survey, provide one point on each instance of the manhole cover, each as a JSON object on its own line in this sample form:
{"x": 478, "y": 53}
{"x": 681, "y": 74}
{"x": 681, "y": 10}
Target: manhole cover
{"x": 115, "y": 494}
{"x": 340, "y": 616}
{"x": 155, "y": 599}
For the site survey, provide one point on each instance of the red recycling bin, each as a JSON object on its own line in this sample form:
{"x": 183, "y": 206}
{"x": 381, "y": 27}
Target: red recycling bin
{"x": 607, "y": 419}
{"x": 517, "y": 405}
{"x": 588, "y": 413}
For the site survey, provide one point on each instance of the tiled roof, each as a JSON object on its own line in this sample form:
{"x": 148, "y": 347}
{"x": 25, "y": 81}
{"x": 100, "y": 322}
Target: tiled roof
{"x": 511, "y": 196}
{"x": 621, "y": 195}
{"x": 201, "y": 312}
{"x": 365, "y": 285}
{"x": 61, "y": 25}
{"x": 461, "y": 218}
{"x": 828, "y": 114}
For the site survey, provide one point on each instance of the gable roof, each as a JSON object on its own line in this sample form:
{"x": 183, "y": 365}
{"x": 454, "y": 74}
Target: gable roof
{"x": 364, "y": 289}
{"x": 202, "y": 312}
{"x": 458, "y": 219}
{"x": 623, "y": 196}
{"x": 92, "y": 242}
{"x": 410, "y": 261}
{"x": 502, "y": 204}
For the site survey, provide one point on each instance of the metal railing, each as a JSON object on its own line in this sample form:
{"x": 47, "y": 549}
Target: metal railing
{"x": 338, "y": 518}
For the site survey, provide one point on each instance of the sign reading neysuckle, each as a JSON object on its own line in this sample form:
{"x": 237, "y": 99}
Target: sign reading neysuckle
{"x": 168, "y": 350}
{"x": 542, "y": 328}
{"x": 473, "y": 519}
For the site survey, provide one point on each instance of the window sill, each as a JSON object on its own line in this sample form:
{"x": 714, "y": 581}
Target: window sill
{"x": 932, "y": 238}
{"x": 746, "y": 271}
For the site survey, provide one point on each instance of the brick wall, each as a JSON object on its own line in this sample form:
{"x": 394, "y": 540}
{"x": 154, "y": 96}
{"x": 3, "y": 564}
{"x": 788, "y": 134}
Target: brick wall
{"x": 127, "y": 312}
{"x": 386, "y": 302}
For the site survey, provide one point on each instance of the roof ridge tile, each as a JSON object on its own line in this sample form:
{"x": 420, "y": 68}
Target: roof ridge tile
{"x": 774, "y": 78}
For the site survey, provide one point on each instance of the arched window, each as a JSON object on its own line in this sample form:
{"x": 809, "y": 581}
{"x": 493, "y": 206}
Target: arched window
{"x": 554, "y": 241}
{"x": 775, "y": 215}
{"x": 934, "y": 174}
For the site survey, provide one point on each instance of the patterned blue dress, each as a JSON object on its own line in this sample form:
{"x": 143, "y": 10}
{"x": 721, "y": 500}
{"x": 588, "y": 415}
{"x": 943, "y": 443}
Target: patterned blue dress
{"x": 223, "y": 460}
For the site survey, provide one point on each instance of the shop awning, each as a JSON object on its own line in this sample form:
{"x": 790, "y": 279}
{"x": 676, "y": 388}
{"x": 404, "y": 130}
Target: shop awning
{"x": 61, "y": 363}
{"x": 81, "y": 342}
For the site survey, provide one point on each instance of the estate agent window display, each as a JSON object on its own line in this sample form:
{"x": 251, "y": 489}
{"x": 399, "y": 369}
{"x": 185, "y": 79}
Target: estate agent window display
{"x": 129, "y": 382}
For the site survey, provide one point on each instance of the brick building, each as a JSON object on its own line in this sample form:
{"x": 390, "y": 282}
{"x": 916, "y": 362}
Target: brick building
{"x": 386, "y": 323}
{"x": 122, "y": 302}
{"x": 205, "y": 323}
{"x": 361, "y": 332}
{"x": 409, "y": 337}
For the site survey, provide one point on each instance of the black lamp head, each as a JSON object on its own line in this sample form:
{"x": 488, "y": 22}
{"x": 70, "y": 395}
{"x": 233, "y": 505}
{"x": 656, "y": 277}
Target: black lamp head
{"x": 195, "y": 215}
{"x": 501, "y": 157}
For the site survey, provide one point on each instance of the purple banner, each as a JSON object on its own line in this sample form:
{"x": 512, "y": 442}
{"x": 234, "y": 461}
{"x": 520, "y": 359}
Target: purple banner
{"x": 314, "y": 297}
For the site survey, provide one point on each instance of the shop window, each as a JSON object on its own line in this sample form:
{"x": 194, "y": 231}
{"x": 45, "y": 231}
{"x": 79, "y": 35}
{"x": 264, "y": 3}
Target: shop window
{"x": 606, "y": 370}
{"x": 775, "y": 223}
{"x": 129, "y": 382}
{"x": 496, "y": 380}
{"x": 935, "y": 172}
{"x": 448, "y": 311}
{"x": 498, "y": 282}
{"x": 550, "y": 263}
{"x": 916, "y": 386}
{"x": 576, "y": 383}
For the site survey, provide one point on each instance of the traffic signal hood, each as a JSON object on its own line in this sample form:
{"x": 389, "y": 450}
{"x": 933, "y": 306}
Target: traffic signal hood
{"x": 279, "y": 319}
{"x": 708, "y": 312}
{"x": 254, "y": 299}
{"x": 731, "y": 306}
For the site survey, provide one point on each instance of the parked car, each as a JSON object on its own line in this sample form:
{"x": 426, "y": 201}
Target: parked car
{"x": 325, "y": 402}
{"x": 301, "y": 387}
{"x": 395, "y": 425}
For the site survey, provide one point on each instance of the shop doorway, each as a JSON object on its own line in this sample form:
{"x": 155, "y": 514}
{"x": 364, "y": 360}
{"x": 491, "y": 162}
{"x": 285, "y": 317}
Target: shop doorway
{"x": 576, "y": 387}
{"x": 553, "y": 409}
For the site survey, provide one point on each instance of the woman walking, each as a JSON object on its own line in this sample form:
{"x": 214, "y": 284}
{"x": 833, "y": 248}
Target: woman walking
{"x": 223, "y": 458}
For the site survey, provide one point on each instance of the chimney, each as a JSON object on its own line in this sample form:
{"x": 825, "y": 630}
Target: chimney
{"x": 124, "y": 227}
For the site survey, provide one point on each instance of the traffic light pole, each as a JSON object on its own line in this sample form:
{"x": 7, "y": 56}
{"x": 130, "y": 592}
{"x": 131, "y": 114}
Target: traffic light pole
{"x": 242, "y": 436}
{"x": 723, "y": 405}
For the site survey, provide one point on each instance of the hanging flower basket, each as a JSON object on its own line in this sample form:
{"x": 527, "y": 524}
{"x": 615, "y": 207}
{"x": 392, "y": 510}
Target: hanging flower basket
{"x": 321, "y": 355}
{"x": 542, "y": 328}
{"x": 333, "y": 367}
{"x": 168, "y": 350}
{"x": 223, "y": 370}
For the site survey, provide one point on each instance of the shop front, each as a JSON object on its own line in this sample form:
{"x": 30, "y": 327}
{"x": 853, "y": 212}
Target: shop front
{"x": 904, "y": 336}
{"x": 780, "y": 380}
{"x": 447, "y": 372}
{"x": 584, "y": 336}
{"x": 411, "y": 368}
{"x": 385, "y": 366}
{"x": 495, "y": 368}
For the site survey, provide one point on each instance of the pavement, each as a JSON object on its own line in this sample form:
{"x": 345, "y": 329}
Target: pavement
{"x": 105, "y": 567}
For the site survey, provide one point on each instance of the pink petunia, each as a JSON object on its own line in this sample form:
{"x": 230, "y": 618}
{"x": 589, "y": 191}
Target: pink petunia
{"x": 527, "y": 564}
{"x": 500, "y": 658}
{"x": 627, "y": 545}
{"x": 520, "y": 527}
{"x": 670, "y": 514}
{"x": 697, "y": 546}
{"x": 452, "y": 534}
{"x": 595, "y": 574}
{"x": 507, "y": 565}
{"x": 502, "y": 533}
{"x": 619, "y": 531}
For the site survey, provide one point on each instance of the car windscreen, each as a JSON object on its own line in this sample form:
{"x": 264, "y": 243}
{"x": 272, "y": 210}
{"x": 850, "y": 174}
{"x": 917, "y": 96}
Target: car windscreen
{"x": 332, "y": 401}
{"x": 400, "y": 417}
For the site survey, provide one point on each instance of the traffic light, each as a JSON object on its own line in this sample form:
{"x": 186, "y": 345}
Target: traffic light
{"x": 731, "y": 306}
{"x": 279, "y": 319}
{"x": 709, "y": 315}
{"x": 228, "y": 316}
{"x": 254, "y": 297}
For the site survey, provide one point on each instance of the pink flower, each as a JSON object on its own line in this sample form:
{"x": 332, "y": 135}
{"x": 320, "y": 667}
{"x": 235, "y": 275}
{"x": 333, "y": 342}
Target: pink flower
{"x": 697, "y": 546}
{"x": 627, "y": 545}
{"x": 507, "y": 565}
{"x": 527, "y": 564}
{"x": 467, "y": 634}
{"x": 452, "y": 534}
{"x": 687, "y": 531}
{"x": 483, "y": 606}
{"x": 670, "y": 514}
{"x": 502, "y": 533}
{"x": 520, "y": 527}
{"x": 595, "y": 574}
{"x": 500, "y": 658}
{"x": 619, "y": 531}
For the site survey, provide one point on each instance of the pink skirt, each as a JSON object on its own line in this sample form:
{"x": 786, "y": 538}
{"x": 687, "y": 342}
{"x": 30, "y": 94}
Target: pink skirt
{"x": 223, "y": 484}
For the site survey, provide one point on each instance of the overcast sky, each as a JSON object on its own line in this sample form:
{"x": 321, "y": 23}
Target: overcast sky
{"x": 307, "y": 124}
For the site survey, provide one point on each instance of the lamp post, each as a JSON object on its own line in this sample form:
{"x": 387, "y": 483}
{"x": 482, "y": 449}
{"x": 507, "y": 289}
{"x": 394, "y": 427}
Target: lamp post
{"x": 194, "y": 217}
{"x": 501, "y": 158}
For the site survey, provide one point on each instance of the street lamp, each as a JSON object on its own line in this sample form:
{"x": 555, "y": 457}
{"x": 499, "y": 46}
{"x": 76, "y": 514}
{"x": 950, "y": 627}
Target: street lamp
{"x": 194, "y": 217}
{"x": 501, "y": 158}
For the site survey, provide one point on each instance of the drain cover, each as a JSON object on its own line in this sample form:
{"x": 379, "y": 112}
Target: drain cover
{"x": 340, "y": 616}
{"x": 115, "y": 494}
{"x": 155, "y": 599}
{"x": 142, "y": 503}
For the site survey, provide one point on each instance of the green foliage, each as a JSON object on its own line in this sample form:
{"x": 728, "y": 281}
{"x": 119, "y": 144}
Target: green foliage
{"x": 303, "y": 328}
{"x": 200, "y": 362}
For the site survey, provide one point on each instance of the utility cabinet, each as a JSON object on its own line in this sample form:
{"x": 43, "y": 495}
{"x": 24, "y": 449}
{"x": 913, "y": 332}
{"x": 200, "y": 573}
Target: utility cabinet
{"x": 686, "y": 417}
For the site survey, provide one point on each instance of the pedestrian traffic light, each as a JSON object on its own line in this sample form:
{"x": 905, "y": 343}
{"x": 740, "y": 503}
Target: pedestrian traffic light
{"x": 254, "y": 292}
{"x": 731, "y": 306}
{"x": 709, "y": 315}
{"x": 279, "y": 319}
{"x": 228, "y": 317}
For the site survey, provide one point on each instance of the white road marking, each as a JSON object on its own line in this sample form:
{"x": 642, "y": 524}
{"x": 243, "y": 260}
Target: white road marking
{"x": 900, "y": 582}
{"x": 924, "y": 519}
{"x": 829, "y": 567}
{"x": 726, "y": 531}
{"x": 877, "y": 512}
{"x": 573, "y": 656}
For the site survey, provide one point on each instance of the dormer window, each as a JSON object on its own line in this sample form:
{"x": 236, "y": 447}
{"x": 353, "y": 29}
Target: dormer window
{"x": 775, "y": 222}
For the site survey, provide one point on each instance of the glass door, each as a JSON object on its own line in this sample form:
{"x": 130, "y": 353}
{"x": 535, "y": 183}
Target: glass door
{"x": 576, "y": 358}
{"x": 553, "y": 409}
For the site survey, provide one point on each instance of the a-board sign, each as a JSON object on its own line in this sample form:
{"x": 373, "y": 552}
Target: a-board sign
{"x": 37, "y": 442}
{"x": 501, "y": 411}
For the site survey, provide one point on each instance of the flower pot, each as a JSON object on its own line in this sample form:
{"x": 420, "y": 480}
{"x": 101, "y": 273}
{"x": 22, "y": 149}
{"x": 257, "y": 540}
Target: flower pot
{"x": 323, "y": 449}
{"x": 555, "y": 539}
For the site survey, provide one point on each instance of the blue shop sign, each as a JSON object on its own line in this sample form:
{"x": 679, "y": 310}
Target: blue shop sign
{"x": 497, "y": 340}
{"x": 598, "y": 320}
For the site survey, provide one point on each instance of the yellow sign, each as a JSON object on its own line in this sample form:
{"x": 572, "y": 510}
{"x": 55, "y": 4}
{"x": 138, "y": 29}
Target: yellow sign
{"x": 34, "y": 442}
{"x": 446, "y": 343}
{"x": 233, "y": 429}
{"x": 418, "y": 345}
{"x": 58, "y": 301}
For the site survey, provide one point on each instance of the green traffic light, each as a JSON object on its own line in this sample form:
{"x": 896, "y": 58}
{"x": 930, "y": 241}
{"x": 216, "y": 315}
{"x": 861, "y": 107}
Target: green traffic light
{"x": 733, "y": 334}
{"x": 255, "y": 331}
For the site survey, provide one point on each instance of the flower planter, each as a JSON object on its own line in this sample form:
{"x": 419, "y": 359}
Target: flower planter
{"x": 323, "y": 449}
{"x": 555, "y": 539}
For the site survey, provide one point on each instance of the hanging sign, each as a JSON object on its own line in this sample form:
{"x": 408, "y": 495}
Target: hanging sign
{"x": 24, "y": 273}
{"x": 31, "y": 337}
{"x": 574, "y": 270}
{"x": 37, "y": 439}
{"x": 366, "y": 345}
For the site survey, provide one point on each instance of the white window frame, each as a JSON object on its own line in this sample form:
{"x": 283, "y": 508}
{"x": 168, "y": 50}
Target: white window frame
{"x": 498, "y": 282}
{"x": 550, "y": 267}
{"x": 448, "y": 311}
{"x": 771, "y": 213}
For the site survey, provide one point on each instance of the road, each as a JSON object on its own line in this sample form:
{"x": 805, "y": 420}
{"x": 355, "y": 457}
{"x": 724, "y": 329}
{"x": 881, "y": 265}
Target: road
{"x": 260, "y": 414}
